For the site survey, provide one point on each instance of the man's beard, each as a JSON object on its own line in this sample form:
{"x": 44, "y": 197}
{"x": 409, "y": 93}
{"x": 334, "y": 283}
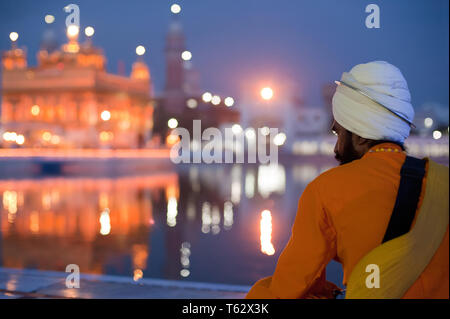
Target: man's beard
{"x": 349, "y": 153}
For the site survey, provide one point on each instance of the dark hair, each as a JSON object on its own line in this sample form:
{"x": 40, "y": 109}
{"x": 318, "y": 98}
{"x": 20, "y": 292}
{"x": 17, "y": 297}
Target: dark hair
{"x": 372, "y": 143}
{"x": 377, "y": 142}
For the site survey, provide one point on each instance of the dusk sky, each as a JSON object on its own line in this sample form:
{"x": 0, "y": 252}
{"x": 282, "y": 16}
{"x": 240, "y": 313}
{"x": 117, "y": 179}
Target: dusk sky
{"x": 309, "y": 42}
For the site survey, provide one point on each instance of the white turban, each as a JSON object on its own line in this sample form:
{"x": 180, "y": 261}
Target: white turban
{"x": 383, "y": 83}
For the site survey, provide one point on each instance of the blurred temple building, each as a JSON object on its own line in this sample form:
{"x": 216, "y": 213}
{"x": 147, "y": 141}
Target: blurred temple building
{"x": 69, "y": 100}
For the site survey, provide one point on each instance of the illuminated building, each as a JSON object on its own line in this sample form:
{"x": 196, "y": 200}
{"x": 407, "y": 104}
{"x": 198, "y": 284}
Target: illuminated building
{"x": 69, "y": 100}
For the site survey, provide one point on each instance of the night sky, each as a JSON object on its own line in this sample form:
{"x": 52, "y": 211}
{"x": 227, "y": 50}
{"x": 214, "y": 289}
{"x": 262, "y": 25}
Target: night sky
{"x": 308, "y": 42}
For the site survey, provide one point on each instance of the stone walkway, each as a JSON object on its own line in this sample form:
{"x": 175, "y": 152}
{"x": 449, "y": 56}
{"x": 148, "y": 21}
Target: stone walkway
{"x": 19, "y": 283}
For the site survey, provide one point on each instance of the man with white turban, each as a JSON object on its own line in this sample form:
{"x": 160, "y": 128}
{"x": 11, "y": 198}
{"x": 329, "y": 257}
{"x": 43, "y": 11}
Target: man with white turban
{"x": 381, "y": 213}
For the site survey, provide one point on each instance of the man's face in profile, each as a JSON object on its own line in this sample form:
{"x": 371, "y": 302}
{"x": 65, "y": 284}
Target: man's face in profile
{"x": 344, "y": 150}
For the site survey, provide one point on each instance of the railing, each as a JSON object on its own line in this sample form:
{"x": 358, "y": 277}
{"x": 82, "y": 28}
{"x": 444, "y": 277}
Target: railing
{"x": 69, "y": 154}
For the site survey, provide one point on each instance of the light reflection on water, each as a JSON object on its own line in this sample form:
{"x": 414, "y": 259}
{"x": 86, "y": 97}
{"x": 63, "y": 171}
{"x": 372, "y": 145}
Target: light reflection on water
{"x": 212, "y": 223}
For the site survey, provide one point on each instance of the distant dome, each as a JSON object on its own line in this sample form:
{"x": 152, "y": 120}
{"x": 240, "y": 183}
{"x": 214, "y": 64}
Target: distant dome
{"x": 175, "y": 27}
{"x": 49, "y": 40}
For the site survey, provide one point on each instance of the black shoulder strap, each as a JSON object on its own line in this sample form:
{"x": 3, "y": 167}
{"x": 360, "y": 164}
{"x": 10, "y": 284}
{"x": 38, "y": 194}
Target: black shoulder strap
{"x": 411, "y": 177}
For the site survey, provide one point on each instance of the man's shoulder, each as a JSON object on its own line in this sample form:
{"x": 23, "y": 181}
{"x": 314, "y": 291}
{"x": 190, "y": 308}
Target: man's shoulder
{"x": 339, "y": 175}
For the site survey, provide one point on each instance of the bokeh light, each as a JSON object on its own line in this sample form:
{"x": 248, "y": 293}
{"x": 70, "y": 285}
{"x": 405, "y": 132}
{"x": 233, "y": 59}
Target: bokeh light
{"x": 105, "y": 115}
{"x": 229, "y": 101}
{"x": 140, "y": 50}
{"x": 207, "y": 97}
{"x": 72, "y": 31}
{"x": 267, "y": 93}
{"x": 186, "y": 55}
{"x": 236, "y": 129}
{"x": 172, "y": 123}
{"x": 266, "y": 233}
{"x": 216, "y": 100}
{"x": 20, "y": 139}
{"x": 35, "y": 110}
{"x": 437, "y": 135}
{"x": 175, "y": 8}
{"x": 279, "y": 139}
{"x": 13, "y": 36}
{"x": 49, "y": 19}
{"x": 428, "y": 122}
{"x": 89, "y": 31}
{"x": 264, "y": 131}
{"x": 192, "y": 103}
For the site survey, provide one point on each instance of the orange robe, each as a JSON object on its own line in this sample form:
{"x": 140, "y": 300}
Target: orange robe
{"x": 342, "y": 215}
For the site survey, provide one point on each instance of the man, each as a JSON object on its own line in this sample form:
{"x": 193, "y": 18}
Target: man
{"x": 345, "y": 212}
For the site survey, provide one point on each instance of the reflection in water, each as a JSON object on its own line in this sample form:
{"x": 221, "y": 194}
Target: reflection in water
{"x": 190, "y": 210}
{"x": 34, "y": 222}
{"x": 61, "y": 221}
{"x": 227, "y": 215}
{"x": 185, "y": 251}
{"x": 236, "y": 173}
{"x": 105, "y": 222}
{"x": 215, "y": 220}
{"x": 172, "y": 206}
{"x": 271, "y": 179}
{"x": 149, "y": 226}
{"x": 10, "y": 204}
{"x": 11, "y": 284}
{"x": 172, "y": 211}
{"x": 250, "y": 184}
{"x": 206, "y": 217}
{"x": 140, "y": 256}
{"x": 137, "y": 274}
{"x": 304, "y": 173}
{"x": 266, "y": 233}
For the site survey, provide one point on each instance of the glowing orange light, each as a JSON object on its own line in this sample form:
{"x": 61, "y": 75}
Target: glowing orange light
{"x": 138, "y": 274}
{"x": 55, "y": 139}
{"x": 35, "y": 110}
{"x": 172, "y": 139}
{"x": 103, "y": 136}
{"x": 47, "y": 136}
{"x": 34, "y": 221}
{"x": 106, "y": 136}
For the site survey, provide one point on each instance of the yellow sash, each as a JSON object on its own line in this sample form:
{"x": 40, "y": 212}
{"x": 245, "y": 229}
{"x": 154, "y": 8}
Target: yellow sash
{"x": 403, "y": 259}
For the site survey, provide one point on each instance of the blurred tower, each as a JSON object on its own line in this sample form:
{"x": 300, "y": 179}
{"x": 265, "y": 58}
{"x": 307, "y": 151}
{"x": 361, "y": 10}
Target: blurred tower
{"x": 182, "y": 95}
{"x": 175, "y": 72}
{"x": 328, "y": 90}
{"x": 191, "y": 80}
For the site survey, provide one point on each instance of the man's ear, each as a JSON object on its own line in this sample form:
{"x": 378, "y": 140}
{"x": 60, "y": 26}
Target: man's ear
{"x": 360, "y": 141}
